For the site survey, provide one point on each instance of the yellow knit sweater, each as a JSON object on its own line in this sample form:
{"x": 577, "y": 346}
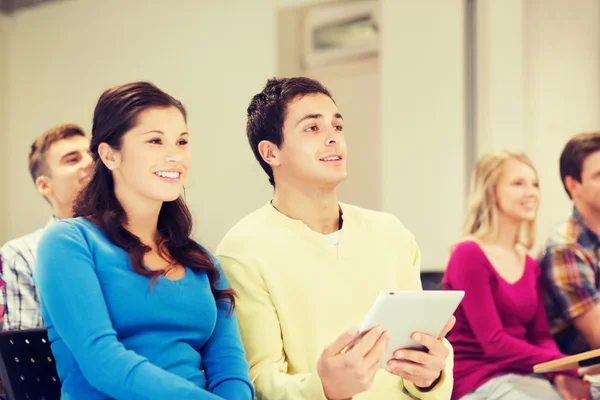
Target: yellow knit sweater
{"x": 297, "y": 292}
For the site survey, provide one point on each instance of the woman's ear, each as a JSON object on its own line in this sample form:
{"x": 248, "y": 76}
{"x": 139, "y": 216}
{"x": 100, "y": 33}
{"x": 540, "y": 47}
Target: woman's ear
{"x": 109, "y": 156}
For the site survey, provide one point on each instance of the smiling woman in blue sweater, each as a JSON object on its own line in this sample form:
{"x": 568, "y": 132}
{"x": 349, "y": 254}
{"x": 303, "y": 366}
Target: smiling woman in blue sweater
{"x": 135, "y": 309}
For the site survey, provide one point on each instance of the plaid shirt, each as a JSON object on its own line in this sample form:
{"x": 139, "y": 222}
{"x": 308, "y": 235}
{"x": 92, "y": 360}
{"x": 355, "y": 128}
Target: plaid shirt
{"x": 569, "y": 266}
{"x": 21, "y": 296}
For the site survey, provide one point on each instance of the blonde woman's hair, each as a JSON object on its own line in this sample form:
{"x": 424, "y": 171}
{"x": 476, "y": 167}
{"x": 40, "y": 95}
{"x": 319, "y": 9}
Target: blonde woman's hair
{"x": 481, "y": 219}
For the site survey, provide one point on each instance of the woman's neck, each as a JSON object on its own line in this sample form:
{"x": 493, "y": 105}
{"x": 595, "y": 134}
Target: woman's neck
{"x": 142, "y": 216}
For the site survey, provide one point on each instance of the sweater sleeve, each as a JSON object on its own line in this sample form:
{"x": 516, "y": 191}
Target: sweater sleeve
{"x": 261, "y": 334}
{"x": 223, "y": 355}
{"x": 75, "y": 306}
{"x": 468, "y": 270}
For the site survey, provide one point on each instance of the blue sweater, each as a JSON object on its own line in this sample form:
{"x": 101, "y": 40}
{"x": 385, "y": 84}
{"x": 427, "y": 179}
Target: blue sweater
{"x": 115, "y": 337}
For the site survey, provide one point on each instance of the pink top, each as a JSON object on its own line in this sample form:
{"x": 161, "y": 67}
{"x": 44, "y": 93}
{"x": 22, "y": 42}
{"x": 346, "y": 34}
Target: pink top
{"x": 501, "y": 328}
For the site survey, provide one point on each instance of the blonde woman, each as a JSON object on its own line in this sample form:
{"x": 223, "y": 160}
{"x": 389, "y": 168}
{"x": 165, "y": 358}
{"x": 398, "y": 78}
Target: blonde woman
{"x": 502, "y": 329}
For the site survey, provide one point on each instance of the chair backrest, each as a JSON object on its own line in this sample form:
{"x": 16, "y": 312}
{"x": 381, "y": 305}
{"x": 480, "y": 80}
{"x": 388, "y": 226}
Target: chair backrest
{"x": 432, "y": 280}
{"x": 27, "y": 367}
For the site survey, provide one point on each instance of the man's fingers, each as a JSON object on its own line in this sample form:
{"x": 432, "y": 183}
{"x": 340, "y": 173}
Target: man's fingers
{"x": 375, "y": 366}
{"x": 448, "y": 327}
{"x": 591, "y": 370}
{"x": 413, "y": 369}
{"x": 412, "y": 372}
{"x": 419, "y": 357}
{"x": 434, "y": 345}
{"x": 379, "y": 350}
{"x": 341, "y": 342}
{"x": 365, "y": 344}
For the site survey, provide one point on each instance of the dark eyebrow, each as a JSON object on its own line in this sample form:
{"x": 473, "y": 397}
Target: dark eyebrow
{"x": 154, "y": 131}
{"x": 309, "y": 116}
{"x": 317, "y": 116}
{"x": 162, "y": 133}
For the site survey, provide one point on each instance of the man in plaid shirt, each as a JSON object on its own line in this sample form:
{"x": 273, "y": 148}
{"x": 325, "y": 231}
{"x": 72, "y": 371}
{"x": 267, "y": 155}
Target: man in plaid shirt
{"x": 59, "y": 164}
{"x": 571, "y": 255}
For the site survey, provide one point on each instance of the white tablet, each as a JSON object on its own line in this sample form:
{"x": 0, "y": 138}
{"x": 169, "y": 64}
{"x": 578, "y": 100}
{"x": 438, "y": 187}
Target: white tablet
{"x": 403, "y": 313}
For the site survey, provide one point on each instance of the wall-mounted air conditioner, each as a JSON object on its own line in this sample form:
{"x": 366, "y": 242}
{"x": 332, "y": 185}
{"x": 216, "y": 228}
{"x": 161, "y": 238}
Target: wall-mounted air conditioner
{"x": 339, "y": 32}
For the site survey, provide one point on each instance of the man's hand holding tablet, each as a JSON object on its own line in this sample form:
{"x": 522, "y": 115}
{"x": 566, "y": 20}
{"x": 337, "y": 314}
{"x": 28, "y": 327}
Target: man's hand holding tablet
{"x": 397, "y": 335}
{"x": 422, "y": 368}
{"x": 346, "y": 371}
{"x": 417, "y": 322}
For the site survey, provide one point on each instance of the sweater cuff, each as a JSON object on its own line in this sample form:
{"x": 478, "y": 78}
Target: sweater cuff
{"x": 313, "y": 388}
{"x": 435, "y": 393}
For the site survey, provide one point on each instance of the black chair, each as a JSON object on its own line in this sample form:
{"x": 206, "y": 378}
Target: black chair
{"x": 432, "y": 280}
{"x": 27, "y": 367}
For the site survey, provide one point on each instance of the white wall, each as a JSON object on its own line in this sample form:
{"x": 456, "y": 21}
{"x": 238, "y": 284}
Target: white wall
{"x": 362, "y": 126}
{"x": 500, "y": 72}
{"x": 423, "y": 121}
{"x": 538, "y": 85}
{"x": 4, "y": 150}
{"x": 65, "y": 54}
{"x": 563, "y": 90}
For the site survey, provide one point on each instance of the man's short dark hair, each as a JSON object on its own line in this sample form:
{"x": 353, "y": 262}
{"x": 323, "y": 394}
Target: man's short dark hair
{"x": 575, "y": 153}
{"x": 267, "y": 111}
{"x": 40, "y": 146}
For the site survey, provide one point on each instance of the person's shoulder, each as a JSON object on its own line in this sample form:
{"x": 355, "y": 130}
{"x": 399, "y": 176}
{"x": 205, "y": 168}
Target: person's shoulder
{"x": 246, "y": 233}
{"x": 23, "y": 247}
{"x": 467, "y": 247}
{"x": 73, "y": 230}
{"x": 466, "y": 256}
{"x": 373, "y": 218}
{"x": 21, "y": 243}
{"x": 381, "y": 226}
{"x": 69, "y": 226}
{"x": 562, "y": 235}
{"x": 368, "y": 215}
{"x": 532, "y": 265}
{"x": 531, "y": 260}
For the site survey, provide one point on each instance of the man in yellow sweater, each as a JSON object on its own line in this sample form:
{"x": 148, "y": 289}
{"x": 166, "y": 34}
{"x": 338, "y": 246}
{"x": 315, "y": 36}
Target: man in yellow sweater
{"x": 307, "y": 268}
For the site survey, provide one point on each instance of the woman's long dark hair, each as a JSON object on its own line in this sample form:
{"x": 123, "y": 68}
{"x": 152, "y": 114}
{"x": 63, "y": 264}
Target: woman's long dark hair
{"x": 115, "y": 114}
